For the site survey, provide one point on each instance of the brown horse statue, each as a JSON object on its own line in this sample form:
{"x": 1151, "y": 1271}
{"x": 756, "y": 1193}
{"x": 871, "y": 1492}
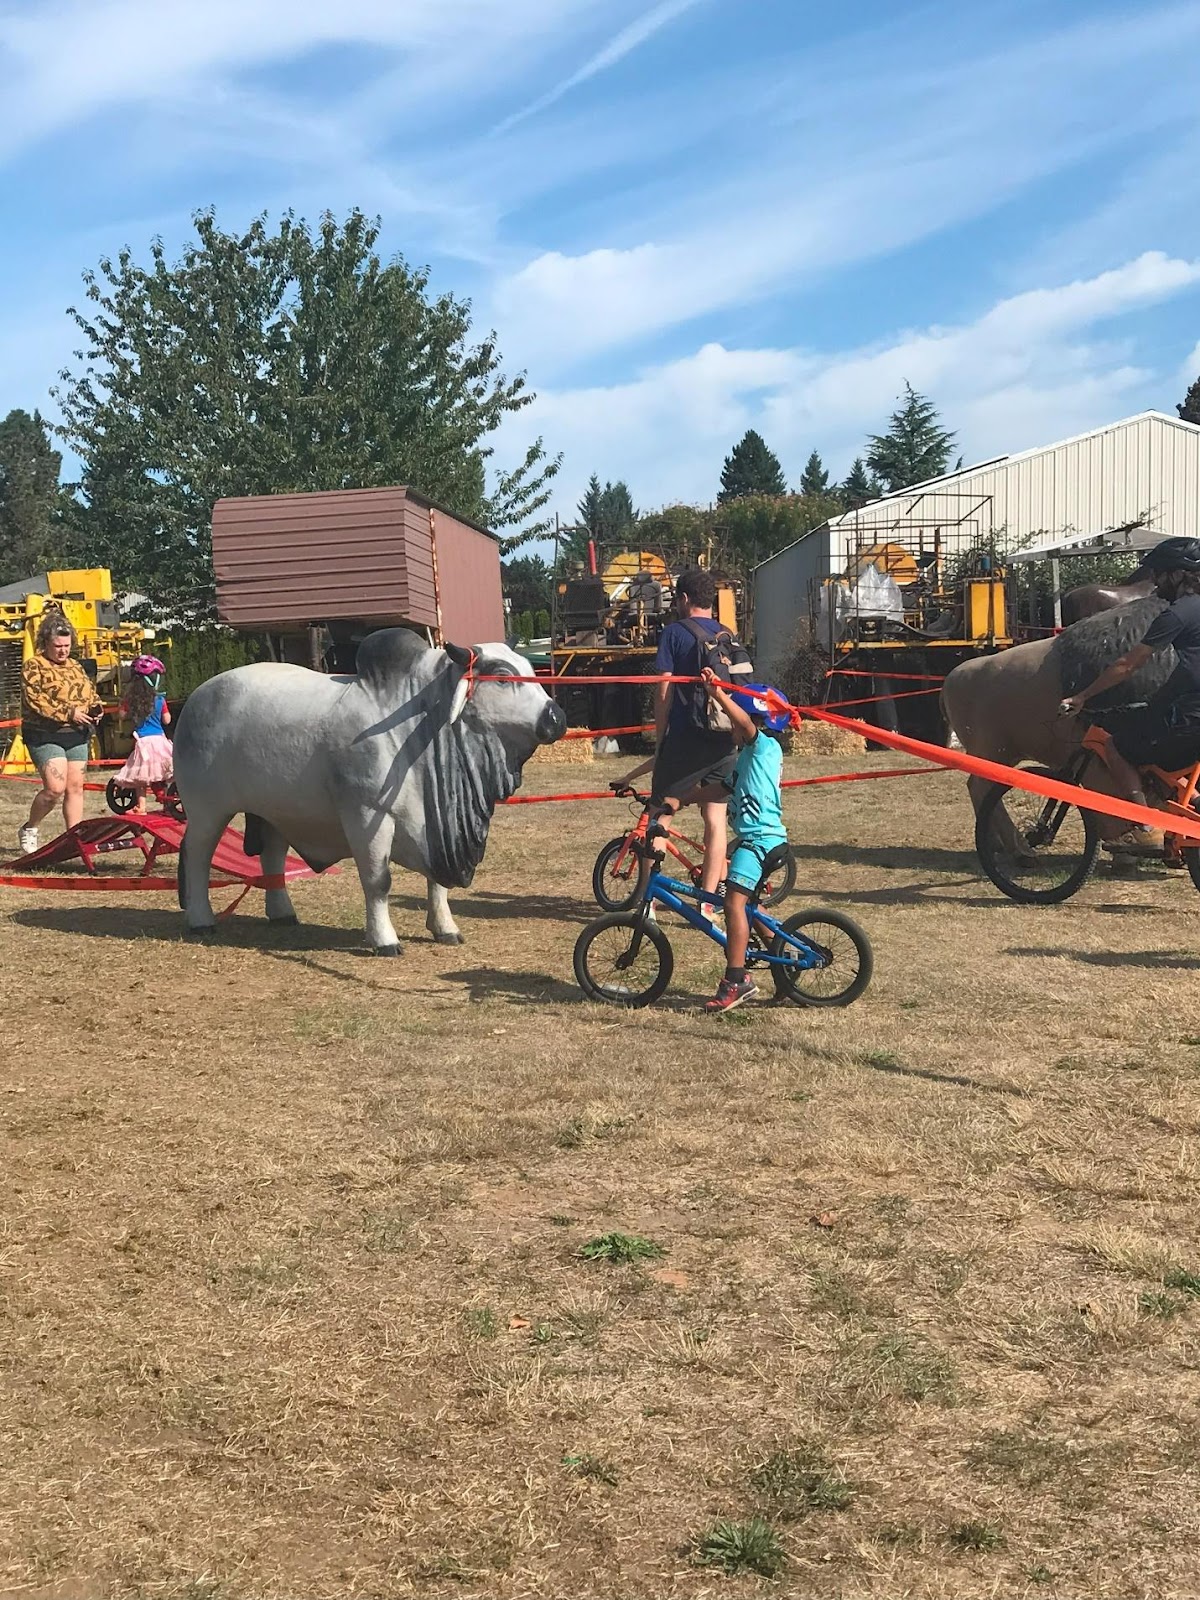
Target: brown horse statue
{"x": 1005, "y": 707}
{"x": 1092, "y": 598}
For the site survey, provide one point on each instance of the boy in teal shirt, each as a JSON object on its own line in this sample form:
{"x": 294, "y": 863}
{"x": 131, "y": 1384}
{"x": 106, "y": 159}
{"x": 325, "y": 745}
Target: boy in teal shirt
{"x": 756, "y": 812}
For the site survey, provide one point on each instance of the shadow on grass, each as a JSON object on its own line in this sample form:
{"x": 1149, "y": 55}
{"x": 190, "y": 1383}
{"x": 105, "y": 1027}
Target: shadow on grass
{"x": 236, "y": 932}
{"x": 891, "y": 858}
{"x": 881, "y": 1063}
{"x": 486, "y": 905}
{"x": 1153, "y": 959}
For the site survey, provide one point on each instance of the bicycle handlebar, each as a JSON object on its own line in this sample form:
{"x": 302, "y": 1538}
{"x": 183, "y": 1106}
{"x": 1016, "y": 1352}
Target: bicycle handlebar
{"x": 626, "y": 791}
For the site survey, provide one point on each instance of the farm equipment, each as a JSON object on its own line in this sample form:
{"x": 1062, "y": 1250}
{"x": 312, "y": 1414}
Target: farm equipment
{"x": 607, "y": 624}
{"x": 917, "y": 596}
{"x": 107, "y": 646}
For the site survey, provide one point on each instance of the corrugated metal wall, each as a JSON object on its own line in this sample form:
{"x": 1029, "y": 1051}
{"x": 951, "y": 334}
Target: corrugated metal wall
{"x": 781, "y": 590}
{"x": 468, "y": 564}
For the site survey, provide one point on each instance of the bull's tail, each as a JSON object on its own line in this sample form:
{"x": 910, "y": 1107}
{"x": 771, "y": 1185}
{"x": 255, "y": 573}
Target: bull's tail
{"x": 253, "y": 842}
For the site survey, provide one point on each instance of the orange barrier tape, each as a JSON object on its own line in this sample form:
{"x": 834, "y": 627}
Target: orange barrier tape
{"x": 1016, "y": 777}
{"x": 606, "y": 733}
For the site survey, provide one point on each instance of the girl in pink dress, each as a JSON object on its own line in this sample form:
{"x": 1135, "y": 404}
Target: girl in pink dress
{"x": 150, "y": 761}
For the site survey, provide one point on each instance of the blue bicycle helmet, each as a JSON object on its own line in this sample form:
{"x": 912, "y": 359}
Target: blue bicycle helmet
{"x": 751, "y": 698}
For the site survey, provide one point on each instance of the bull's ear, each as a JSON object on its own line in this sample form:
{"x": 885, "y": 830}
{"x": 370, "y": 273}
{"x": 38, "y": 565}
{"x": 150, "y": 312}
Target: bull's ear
{"x": 460, "y": 657}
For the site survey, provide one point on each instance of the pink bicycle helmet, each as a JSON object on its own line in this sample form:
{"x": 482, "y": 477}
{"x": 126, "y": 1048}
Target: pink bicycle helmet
{"x": 147, "y": 667}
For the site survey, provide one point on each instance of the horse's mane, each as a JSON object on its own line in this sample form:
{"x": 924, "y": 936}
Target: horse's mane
{"x": 1083, "y": 650}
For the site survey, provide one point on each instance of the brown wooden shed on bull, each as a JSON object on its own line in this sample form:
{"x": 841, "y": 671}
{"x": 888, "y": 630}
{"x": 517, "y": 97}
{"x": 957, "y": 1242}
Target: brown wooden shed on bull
{"x": 317, "y": 572}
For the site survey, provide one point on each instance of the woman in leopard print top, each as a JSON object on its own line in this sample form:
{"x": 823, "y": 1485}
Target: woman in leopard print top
{"x": 59, "y": 713}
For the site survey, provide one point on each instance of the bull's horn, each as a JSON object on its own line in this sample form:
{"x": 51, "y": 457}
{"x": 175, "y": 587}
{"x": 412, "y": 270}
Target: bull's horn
{"x": 457, "y": 654}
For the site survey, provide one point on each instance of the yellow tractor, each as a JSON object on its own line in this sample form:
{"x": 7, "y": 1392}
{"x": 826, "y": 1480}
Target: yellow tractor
{"x": 107, "y": 646}
{"x": 606, "y": 625}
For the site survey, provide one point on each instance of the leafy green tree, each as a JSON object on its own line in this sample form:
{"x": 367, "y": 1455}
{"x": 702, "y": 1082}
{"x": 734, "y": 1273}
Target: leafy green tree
{"x": 32, "y": 535}
{"x": 1189, "y": 407}
{"x": 679, "y": 533}
{"x": 814, "y": 479}
{"x": 859, "y": 487}
{"x": 753, "y": 527}
{"x": 751, "y": 467}
{"x": 541, "y": 624}
{"x": 267, "y": 361}
{"x": 915, "y": 446}
{"x": 527, "y": 582}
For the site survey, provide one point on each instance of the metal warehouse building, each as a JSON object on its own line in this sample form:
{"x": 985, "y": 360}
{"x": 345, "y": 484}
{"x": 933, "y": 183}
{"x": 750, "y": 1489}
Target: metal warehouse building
{"x": 1143, "y": 473}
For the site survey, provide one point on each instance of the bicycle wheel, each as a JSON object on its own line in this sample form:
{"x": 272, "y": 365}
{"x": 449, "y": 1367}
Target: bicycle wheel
{"x": 1192, "y": 857}
{"x": 605, "y": 944}
{"x": 780, "y": 884}
{"x": 1036, "y": 851}
{"x": 618, "y": 874}
{"x": 846, "y": 967}
{"x": 121, "y": 797}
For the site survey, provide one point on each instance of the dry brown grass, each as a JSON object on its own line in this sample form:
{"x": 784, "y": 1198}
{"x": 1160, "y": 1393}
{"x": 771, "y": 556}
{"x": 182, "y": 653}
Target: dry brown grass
{"x": 292, "y": 1297}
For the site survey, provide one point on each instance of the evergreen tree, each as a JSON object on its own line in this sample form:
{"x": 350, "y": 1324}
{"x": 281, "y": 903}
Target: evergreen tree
{"x": 814, "y": 479}
{"x": 606, "y": 516}
{"x": 1189, "y": 407}
{"x": 915, "y": 446}
{"x": 32, "y": 536}
{"x": 274, "y": 361}
{"x": 751, "y": 467}
{"x": 859, "y": 487}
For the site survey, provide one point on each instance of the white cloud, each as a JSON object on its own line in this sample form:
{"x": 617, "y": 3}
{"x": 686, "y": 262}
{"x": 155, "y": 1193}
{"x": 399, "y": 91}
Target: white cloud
{"x": 1028, "y": 370}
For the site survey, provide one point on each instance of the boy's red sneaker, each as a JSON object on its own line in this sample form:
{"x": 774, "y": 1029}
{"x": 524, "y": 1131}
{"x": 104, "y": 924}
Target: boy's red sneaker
{"x": 729, "y": 995}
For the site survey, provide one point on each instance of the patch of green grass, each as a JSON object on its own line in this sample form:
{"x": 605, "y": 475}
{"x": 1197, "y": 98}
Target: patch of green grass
{"x": 751, "y": 1546}
{"x": 587, "y": 1466}
{"x": 893, "y": 1207}
{"x": 585, "y": 1325}
{"x": 481, "y": 1322}
{"x": 800, "y": 1096}
{"x": 557, "y": 1220}
{"x": 902, "y": 1535}
{"x": 801, "y": 1480}
{"x": 1040, "y": 1574}
{"x": 1181, "y": 1278}
{"x": 324, "y": 1024}
{"x": 1159, "y": 1303}
{"x": 976, "y": 1536}
{"x": 621, "y": 1249}
{"x": 384, "y": 1233}
{"x": 836, "y": 1291}
{"x": 896, "y": 1366}
{"x": 543, "y": 1333}
{"x": 579, "y": 1130}
{"x": 884, "y": 1060}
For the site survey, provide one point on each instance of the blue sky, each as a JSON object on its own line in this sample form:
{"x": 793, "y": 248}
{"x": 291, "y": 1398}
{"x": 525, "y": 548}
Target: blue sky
{"x": 683, "y": 217}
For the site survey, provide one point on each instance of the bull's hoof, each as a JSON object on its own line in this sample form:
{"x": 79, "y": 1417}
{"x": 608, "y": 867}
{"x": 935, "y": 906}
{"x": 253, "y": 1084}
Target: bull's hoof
{"x": 448, "y": 938}
{"x": 290, "y": 921}
{"x": 198, "y": 934}
{"x": 388, "y": 949}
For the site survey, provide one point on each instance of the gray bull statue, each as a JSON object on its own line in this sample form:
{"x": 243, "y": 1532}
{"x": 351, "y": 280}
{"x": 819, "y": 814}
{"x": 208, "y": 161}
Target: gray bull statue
{"x": 1005, "y": 707}
{"x": 403, "y": 763}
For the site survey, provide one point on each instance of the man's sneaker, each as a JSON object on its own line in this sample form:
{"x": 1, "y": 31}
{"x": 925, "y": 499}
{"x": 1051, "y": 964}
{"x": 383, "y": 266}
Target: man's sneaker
{"x": 1137, "y": 841}
{"x": 729, "y": 995}
{"x": 27, "y": 838}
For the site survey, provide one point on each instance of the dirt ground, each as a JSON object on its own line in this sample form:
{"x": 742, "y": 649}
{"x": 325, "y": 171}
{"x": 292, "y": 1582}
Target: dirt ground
{"x": 291, "y": 1285}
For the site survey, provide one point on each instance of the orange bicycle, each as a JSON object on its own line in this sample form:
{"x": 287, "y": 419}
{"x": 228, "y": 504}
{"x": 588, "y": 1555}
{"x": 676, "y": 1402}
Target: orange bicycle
{"x": 621, "y": 866}
{"x": 1041, "y": 852}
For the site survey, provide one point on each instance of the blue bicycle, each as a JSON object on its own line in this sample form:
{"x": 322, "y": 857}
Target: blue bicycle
{"x": 816, "y": 958}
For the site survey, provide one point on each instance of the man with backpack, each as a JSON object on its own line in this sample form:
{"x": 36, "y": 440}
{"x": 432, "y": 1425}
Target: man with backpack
{"x": 693, "y": 736}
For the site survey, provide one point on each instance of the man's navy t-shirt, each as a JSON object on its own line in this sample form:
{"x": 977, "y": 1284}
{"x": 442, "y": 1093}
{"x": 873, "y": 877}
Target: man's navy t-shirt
{"x": 1179, "y": 627}
{"x": 679, "y": 654}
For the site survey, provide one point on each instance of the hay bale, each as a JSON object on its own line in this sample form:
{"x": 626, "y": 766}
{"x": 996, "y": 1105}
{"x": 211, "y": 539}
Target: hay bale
{"x": 566, "y": 753}
{"x": 823, "y": 739}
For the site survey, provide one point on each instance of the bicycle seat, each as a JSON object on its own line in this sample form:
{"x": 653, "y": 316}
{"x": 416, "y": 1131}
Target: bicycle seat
{"x": 772, "y": 861}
